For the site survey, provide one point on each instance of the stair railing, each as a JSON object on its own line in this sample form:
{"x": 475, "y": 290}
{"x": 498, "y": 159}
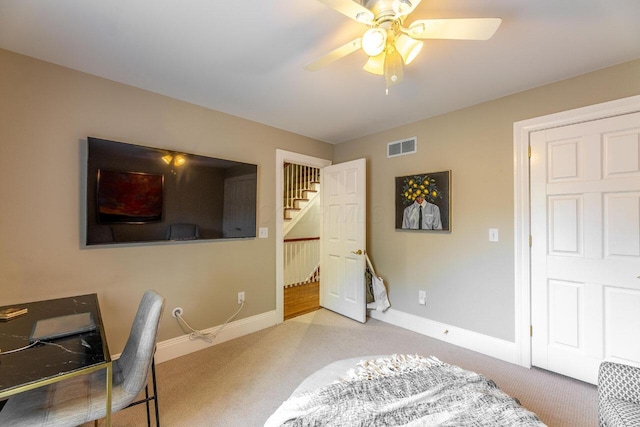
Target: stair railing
{"x": 297, "y": 180}
{"x": 301, "y": 261}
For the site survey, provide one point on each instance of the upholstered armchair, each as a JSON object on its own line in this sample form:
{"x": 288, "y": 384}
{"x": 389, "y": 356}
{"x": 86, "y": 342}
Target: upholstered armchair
{"x": 618, "y": 395}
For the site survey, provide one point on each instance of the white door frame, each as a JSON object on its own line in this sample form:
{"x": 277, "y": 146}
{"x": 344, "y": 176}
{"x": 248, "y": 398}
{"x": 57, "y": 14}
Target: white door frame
{"x": 522, "y": 220}
{"x": 283, "y": 157}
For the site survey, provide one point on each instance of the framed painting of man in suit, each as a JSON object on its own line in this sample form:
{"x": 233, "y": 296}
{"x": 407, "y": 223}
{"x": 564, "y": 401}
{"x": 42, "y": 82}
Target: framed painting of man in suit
{"x": 423, "y": 201}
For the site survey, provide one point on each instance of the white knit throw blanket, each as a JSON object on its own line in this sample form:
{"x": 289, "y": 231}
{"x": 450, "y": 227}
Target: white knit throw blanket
{"x": 405, "y": 390}
{"x": 387, "y": 366}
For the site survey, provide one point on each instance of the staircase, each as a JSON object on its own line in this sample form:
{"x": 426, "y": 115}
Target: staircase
{"x": 301, "y": 188}
{"x": 301, "y": 226}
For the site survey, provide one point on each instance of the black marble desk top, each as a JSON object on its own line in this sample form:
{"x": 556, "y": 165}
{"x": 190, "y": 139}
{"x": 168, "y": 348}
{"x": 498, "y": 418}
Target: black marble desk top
{"x": 54, "y": 358}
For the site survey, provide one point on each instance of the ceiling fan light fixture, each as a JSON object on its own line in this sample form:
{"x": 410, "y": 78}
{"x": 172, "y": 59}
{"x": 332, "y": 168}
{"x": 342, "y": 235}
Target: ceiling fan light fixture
{"x": 375, "y": 64}
{"x": 175, "y": 159}
{"x": 390, "y": 45}
{"x": 408, "y": 48}
{"x": 374, "y": 41}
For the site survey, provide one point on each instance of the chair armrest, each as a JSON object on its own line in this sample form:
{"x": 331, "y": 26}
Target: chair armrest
{"x": 618, "y": 381}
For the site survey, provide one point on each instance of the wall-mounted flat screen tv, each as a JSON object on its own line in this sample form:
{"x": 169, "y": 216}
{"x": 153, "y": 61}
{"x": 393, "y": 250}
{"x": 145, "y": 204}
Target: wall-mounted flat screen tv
{"x": 138, "y": 194}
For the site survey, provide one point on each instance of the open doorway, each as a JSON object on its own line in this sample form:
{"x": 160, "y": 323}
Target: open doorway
{"x": 308, "y": 294}
{"x": 301, "y": 244}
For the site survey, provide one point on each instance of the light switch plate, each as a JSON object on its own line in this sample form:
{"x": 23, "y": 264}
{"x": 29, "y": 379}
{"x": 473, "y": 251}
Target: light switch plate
{"x": 422, "y": 297}
{"x": 263, "y": 232}
{"x": 493, "y": 235}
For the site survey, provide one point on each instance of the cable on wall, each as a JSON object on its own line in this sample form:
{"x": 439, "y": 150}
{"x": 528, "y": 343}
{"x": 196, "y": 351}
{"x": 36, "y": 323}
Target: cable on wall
{"x": 198, "y": 334}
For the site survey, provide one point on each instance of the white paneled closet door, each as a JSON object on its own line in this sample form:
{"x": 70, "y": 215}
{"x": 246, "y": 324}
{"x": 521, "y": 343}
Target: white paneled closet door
{"x": 585, "y": 254}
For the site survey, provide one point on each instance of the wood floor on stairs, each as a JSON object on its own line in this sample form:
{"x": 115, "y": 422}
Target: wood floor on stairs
{"x": 301, "y": 299}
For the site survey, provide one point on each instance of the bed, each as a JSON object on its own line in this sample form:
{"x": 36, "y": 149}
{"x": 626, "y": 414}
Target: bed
{"x": 399, "y": 390}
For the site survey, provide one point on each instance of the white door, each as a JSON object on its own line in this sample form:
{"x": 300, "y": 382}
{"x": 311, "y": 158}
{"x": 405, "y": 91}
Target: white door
{"x": 585, "y": 254}
{"x": 343, "y": 239}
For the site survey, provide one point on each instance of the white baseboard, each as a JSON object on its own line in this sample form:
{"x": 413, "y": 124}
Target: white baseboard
{"x": 182, "y": 345}
{"x": 494, "y": 347}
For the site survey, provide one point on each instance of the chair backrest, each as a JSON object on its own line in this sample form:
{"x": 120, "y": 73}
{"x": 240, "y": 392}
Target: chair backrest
{"x": 183, "y": 232}
{"x": 136, "y": 358}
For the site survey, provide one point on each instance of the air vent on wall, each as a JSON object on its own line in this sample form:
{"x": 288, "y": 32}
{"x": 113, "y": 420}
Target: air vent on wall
{"x": 400, "y": 148}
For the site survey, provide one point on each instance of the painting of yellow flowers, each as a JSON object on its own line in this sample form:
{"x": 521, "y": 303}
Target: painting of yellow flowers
{"x": 423, "y": 201}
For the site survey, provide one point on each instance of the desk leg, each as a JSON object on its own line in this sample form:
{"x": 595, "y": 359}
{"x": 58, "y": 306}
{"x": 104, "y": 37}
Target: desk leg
{"x": 109, "y": 384}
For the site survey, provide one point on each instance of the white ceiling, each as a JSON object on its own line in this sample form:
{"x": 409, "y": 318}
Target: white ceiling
{"x": 246, "y": 58}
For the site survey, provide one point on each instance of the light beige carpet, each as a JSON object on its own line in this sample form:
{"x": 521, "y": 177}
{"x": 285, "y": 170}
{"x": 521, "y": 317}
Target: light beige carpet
{"x": 241, "y": 382}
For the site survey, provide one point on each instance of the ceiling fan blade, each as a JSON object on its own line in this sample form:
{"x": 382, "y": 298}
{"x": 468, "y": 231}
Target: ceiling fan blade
{"x": 335, "y": 54}
{"x": 351, "y": 9}
{"x": 457, "y": 29}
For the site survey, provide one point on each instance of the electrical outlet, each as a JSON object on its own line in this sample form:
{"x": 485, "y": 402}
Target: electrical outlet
{"x": 422, "y": 297}
{"x": 240, "y": 297}
{"x": 176, "y": 312}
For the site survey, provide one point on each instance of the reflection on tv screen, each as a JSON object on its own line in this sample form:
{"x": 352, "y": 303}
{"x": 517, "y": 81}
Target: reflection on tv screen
{"x": 138, "y": 194}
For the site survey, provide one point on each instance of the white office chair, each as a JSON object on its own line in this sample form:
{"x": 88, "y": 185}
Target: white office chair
{"x": 83, "y": 398}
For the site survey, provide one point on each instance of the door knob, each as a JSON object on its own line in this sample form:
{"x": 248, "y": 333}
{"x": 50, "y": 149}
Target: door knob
{"x": 358, "y": 252}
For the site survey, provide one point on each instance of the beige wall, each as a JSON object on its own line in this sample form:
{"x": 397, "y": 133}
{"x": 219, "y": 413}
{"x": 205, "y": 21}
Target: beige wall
{"x": 46, "y": 114}
{"x": 469, "y": 281}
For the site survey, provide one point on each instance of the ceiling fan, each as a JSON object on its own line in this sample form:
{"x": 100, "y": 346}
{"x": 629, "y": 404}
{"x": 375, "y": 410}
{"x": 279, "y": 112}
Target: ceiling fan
{"x": 389, "y": 43}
